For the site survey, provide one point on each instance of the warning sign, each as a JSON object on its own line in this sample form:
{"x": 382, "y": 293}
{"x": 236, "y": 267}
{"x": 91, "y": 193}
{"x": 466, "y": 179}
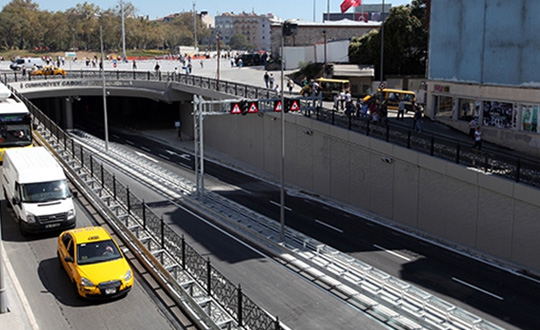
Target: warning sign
{"x": 253, "y": 107}
{"x": 235, "y": 108}
{"x": 277, "y": 106}
{"x": 295, "y": 105}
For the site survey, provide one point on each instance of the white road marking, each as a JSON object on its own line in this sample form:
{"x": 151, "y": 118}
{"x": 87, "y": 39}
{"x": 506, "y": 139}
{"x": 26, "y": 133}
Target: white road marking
{"x": 391, "y": 252}
{"x": 279, "y": 205}
{"x": 171, "y": 152}
{"x": 130, "y": 142}
{"x": 163, "y": 156}
{"x": 329, "y": 226}
{"x": 147, "y": 157}
{"x": 477, "y": 288}
{"x": 115, "y": 136}
{"x": 186, "y": 156}
{"x": 146, "y": 149}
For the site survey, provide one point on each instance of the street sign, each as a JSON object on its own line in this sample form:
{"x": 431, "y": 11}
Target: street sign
{"x": 235, "y": 108}
{"x": 295, "y": 105}
{"x": 253, "y": 107}
{"x": 71, "y": 54}
{"x": 277, "y": 106}
{"x": 382, "y": 85}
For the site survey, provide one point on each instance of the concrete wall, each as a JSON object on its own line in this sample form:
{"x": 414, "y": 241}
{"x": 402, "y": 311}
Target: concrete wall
{"x": 463, "y": 207}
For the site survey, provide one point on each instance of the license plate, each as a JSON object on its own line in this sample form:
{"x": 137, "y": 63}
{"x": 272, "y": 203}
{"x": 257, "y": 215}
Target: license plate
{"x": 52, "y": 225}
{"x": 110, "y": 291}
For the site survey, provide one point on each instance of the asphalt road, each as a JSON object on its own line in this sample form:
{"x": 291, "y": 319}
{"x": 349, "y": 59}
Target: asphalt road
{"x": 495, "y": 294}
{"x": 51, "y": 296}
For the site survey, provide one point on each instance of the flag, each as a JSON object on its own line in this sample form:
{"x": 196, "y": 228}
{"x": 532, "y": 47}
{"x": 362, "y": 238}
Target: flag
{"x": 346, "y": 4}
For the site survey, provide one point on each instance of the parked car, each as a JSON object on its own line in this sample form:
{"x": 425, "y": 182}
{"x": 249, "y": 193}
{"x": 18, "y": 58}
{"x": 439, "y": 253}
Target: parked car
{"x": 94, "y": 263}
{"x": 48, "y": 70}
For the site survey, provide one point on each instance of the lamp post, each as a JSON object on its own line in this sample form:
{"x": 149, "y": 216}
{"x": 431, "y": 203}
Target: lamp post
{"x": 325, "y": 61}
{"x": 282, "y": 181}
{"x": 124, "y": 57}
{"x": 105, "y": 123}
{"x": 382, "y": 42}
{"x": 218, "y": 58}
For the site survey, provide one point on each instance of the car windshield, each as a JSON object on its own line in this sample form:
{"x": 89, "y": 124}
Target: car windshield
{"x": 44, "y": 191}
{"x": 94, "y": 252}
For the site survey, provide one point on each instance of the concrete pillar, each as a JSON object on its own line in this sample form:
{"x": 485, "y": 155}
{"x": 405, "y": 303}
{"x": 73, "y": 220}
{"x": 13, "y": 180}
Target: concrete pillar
{"x": 68, "y": 113}
{"x": 186, "y": 120}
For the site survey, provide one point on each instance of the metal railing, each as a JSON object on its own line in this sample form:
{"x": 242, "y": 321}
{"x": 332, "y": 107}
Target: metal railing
{"x": 521, "y": 169}
{"x": 179, "y": 255}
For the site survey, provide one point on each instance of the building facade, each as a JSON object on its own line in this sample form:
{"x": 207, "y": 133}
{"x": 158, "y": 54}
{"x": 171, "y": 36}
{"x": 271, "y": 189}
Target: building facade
{"x": 484, "y": 66}
{"x": 256, "y": 28}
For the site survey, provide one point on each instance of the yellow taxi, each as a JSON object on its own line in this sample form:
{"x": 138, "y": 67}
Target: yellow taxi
{"x": 94, "y": 263}
{"x": 48, "y": 70}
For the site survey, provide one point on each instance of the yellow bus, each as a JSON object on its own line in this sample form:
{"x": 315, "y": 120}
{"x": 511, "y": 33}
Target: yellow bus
{"x": 393, "y": 97}
{"x": 328, "y": 87}
{"x": 15, "y": 122}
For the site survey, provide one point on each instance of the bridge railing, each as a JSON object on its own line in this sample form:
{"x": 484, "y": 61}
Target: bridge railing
{"x": 522, "y": 169}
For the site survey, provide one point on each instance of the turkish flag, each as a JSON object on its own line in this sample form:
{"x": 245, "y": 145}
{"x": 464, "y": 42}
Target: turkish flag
{"x": 346, "y": 4}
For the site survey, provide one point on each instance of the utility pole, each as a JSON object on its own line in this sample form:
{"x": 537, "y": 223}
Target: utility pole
{"x": 195, "y": 25}
{"x": 124, "y": 57}
{"x": 218, "y": 58}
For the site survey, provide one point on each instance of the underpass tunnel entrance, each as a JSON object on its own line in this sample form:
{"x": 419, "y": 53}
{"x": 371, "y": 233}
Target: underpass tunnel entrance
{"x": 127, "y": 112}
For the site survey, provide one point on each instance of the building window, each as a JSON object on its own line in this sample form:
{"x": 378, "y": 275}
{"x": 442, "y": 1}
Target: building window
{"x": 498, "y": 114}
{"x": 530, "y": 118}
{"x": 469, "y": 109}
{"x": 443, "y": 107}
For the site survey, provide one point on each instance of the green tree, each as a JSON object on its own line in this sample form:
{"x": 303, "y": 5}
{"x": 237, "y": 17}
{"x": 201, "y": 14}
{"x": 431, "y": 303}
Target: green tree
{"x": 405, "y": 42}
{"x": 239, "y": 41}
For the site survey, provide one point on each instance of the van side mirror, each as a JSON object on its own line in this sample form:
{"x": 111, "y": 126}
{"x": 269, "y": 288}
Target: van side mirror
{"x": 68, "y": 259}
{"x": 15, "y": 201}
{"x": 75, "y": 194}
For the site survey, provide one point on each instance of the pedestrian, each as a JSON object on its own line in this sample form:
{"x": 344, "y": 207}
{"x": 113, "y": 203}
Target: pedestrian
{"x": 23, "y": 70}
{"x": 276, "y": 89}
{"x": 134, "y": 65}
{"x": 477, "y": 138}
{"x": 342, "y": 99}
{"x": 266, "y": 79}
{"x": 401, "y": 110}
{"x": 232, "y": 62}
{"x": 271, "y": 80}
{"x": 417, "y": 119}
{"x": 336, "y": 102}
{"x": 175, "y": 73}
{"x": 156, "y": 67}
{"x": 202, "y": 64}
{"x": 349, "y": 108}
{"x": 315, "y": 88}
{"x": 290, "y": 85}
{"x": 472, "y": 128}
{"x": 384, "y": 112}
{"x": 189, "y": 68}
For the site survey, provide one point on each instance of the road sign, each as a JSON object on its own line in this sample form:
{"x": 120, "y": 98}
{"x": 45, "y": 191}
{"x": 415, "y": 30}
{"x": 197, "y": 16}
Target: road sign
{"x": 295, "y": 105}
{"x": 382, "y": 85}
{"x": 277, "y": 106}
{"x": 235, "y": 108}
{"x": 253, "y": 107}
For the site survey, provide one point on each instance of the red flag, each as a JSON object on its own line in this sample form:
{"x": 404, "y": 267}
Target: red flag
{"x": 346, "y": 4}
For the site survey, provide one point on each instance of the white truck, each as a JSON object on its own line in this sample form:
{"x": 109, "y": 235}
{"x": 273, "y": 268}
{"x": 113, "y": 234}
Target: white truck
{"x": 36, "y": 187}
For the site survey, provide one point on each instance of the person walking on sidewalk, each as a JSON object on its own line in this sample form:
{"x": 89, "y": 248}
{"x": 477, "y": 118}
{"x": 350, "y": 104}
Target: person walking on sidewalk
{"x": 401, "y": 110}
{"x": 477, "y": 138}
{"x": 472, "y": 128}
{"x": 417, "y": 119}
{"x": 266, "y": 79}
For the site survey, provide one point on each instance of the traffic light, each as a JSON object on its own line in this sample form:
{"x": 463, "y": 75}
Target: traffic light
{"x": 245, "y": 107}
{"x": 287, "y": 105}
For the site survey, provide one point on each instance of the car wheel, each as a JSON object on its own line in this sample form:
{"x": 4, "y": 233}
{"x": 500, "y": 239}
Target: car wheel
{"x": 77, "y": 295}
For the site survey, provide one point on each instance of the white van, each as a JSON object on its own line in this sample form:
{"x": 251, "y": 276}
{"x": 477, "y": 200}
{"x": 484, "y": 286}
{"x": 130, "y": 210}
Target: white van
{"x": 36, "y": 187}
{"x": 28, "y": 63}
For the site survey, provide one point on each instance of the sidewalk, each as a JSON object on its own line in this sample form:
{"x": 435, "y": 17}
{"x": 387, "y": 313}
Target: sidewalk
{"x": 19, "y": 316}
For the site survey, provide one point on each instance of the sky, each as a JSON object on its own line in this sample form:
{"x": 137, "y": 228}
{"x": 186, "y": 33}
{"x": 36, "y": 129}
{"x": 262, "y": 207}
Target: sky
{"x": 285, "y": 9}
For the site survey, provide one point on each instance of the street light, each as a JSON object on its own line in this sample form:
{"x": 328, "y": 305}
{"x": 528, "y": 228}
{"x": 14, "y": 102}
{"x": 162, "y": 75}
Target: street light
{"x": 105, "y": 123}
{"x": 124, "y": 57}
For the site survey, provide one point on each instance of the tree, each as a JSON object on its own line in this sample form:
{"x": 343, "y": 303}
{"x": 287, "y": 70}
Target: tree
{"x": 239, "y": 41}
{"x": 405, "y": 42}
